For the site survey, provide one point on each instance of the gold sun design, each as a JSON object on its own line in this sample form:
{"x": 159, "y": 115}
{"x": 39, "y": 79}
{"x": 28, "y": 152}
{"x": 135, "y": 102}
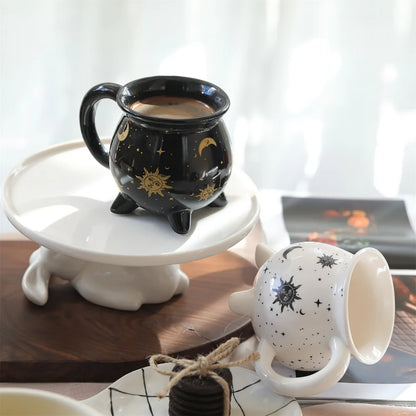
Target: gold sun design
{"x": 153, "y": 182}
{"x": 206, "y": 192}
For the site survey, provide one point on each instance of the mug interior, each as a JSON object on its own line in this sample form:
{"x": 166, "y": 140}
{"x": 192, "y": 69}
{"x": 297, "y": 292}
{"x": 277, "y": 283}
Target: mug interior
{"x": 32, "y": 402}
{"x": 174, "y": 86}
{"x": 370, "y": 306}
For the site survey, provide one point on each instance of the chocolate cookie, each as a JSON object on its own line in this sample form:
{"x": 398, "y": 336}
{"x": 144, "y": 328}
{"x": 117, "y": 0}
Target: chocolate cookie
{"x": 199, "y": 395}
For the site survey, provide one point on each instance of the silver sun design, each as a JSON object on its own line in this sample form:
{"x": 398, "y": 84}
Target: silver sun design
{"x": 286, "y": 294}
{"x": 327, "y": 261}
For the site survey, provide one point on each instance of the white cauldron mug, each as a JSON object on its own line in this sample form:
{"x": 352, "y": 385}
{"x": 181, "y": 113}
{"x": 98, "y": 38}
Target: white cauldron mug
{"x": 312, "y": 306}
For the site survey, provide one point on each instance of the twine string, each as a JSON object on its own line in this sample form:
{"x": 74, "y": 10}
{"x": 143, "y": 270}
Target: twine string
{"x": 203, "y": 365}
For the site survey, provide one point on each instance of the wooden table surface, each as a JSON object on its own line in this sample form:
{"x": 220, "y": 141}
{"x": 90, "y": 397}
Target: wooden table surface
{"x": 199, "y": 315}
{"x": 70, "y": 339}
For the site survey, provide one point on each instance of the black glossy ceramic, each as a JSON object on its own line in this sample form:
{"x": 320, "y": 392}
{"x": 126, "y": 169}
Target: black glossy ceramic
{"x": 167, "y": 166}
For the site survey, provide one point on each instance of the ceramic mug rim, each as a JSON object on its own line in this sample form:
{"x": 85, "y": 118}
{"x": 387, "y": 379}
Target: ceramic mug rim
{"x": 51, "y": 397}
{"x": 385, "y": 315}
{"x": 208, "y": 93}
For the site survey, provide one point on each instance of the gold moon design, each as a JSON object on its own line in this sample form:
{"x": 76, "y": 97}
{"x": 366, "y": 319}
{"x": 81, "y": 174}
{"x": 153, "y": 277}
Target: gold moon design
{"x": 123, "y": 136}
{"x": 205, "y": 143}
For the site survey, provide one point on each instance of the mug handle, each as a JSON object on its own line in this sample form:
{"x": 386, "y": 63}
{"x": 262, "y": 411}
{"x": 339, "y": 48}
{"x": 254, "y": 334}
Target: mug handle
{"x": 308, "y": 385}
{"x": 87, "y": 119}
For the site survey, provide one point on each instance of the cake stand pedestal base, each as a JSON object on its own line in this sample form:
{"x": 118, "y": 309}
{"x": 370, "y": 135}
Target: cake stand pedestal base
{"x": 113, "y": 286}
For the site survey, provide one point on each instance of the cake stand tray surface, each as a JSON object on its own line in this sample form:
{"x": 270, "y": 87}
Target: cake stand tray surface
{"x": 72, "y": 340}
{"x": 61, "y": 198}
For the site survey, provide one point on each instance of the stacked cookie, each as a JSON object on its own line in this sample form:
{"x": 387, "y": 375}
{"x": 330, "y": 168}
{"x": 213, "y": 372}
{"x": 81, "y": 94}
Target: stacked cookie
{"x": 199, "y": 395}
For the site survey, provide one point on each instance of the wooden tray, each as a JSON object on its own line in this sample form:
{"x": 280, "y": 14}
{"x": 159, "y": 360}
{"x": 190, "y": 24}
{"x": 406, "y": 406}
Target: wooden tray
{"x": 70, "y": 339}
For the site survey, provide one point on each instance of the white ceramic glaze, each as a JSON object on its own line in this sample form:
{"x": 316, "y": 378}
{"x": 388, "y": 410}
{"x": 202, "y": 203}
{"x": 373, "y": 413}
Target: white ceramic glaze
{"x": 17, "y": 401}
{"x": 312, "y": 306}
{"x": 118, "y": 287}
{"x": 60, "y": 199}
{"x": 136, "y": 394}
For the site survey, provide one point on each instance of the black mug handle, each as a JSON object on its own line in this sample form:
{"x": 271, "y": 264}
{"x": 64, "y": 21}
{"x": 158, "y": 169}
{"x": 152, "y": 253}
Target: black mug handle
{"x": 87, "y": 119}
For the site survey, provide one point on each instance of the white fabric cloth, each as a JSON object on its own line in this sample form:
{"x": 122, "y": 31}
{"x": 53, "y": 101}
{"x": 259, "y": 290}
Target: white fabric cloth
{"x": 323, "y": 92}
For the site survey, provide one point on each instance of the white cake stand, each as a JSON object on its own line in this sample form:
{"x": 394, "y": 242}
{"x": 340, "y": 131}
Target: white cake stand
{"x": 60, "y": 198}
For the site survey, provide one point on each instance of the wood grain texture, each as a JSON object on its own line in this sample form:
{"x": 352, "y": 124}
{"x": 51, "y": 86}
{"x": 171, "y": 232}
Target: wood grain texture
{"x": 70, "y": 339}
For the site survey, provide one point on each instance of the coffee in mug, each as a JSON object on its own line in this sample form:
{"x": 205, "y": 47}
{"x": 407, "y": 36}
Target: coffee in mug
{"x": 172, "y": 107}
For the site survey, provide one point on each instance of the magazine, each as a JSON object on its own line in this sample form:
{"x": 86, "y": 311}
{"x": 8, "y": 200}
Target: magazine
{"x": 354, "y": 224}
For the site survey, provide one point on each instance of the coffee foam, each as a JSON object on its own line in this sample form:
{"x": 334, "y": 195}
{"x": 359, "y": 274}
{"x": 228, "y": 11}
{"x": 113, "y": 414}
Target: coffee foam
{"x": 172, "y": 107}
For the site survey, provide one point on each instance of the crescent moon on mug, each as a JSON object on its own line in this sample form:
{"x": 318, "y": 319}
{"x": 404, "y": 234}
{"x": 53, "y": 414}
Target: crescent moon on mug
{"x": 286, "y": 252}
{"x": 122, "y": 136}
{"x": 205, "y": 143}
{"x": 301, "y": 312}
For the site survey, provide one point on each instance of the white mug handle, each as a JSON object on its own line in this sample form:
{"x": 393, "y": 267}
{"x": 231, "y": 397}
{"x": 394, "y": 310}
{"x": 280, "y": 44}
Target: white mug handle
{"x": 307, "y": 385}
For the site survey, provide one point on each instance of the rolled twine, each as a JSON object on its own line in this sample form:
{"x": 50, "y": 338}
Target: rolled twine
{"x": 203, "y": 365}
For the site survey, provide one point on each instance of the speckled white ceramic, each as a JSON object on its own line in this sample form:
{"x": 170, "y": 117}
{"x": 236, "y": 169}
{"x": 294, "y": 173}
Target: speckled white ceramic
{"x": 312, "y": 306}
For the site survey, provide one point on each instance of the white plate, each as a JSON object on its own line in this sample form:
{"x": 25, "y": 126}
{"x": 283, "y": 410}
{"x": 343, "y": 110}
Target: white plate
{"x": 61, "y": 198}
{"x": 136, "y": 394}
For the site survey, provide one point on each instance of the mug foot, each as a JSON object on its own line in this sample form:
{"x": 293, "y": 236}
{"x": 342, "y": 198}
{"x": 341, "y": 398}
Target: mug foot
{"x": 221, "y": 201}
{"x": 123, "y": 204}
{"x": 180, "y": 221}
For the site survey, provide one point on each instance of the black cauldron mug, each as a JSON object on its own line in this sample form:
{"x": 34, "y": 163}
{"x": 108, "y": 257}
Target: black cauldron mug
{"x": 170, "y": 153}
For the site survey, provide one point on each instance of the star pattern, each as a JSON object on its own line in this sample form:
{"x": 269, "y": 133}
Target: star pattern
{"x": 327, "y": 261}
